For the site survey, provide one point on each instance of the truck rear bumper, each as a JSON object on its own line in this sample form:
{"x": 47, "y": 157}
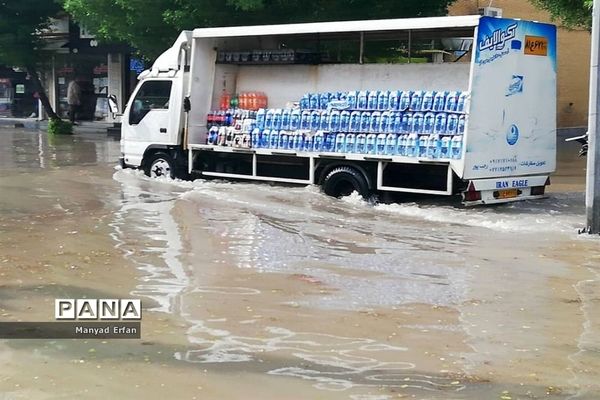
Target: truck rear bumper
{"x": 505, "y": 190}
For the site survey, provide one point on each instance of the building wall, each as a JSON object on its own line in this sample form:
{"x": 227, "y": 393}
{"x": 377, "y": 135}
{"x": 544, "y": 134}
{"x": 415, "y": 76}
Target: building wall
{"x": 573, "y": 57}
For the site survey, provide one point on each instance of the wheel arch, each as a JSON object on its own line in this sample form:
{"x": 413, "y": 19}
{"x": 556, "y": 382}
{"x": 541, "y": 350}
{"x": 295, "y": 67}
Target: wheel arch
{"x": 176, "y": 153}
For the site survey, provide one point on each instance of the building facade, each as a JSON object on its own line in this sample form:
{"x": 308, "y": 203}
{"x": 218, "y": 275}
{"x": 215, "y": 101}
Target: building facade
{"x": 73, "y": 54}
{"x": 573, "y": 74}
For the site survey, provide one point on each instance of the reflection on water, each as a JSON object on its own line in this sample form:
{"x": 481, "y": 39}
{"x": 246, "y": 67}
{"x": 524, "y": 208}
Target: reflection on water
{"x": 148, "y": 235}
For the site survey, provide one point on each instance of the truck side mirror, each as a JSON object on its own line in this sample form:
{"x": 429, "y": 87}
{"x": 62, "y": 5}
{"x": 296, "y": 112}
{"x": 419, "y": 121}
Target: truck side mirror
{"x": 113, "y": 104}
{"x": 187, "y": 106}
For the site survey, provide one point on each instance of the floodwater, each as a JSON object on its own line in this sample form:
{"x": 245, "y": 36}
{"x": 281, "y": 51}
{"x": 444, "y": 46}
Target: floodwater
{"x": 253, "y": 291}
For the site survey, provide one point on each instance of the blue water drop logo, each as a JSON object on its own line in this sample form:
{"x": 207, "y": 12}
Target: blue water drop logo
{"x": 512, "y": 136}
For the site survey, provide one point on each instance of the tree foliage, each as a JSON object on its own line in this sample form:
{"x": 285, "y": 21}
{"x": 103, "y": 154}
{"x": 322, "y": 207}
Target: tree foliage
{"x": 21, "y": 45}
{"x": 152, "y": 25}
{"x": 570, "y": 13}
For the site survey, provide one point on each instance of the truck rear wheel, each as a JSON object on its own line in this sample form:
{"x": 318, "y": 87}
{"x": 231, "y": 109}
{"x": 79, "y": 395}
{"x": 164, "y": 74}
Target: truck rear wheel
{"x": 343, "y": 181}
{"x": 160, "y": 164}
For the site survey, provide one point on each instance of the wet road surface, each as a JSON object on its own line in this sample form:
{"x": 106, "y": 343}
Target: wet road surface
{"x": 260, "y": 291}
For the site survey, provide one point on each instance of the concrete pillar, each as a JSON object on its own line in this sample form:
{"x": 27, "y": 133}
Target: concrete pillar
{"x": 116, "y": 82}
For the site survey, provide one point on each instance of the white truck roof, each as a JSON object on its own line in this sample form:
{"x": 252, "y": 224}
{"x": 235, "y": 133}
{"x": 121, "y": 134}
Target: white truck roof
{"x": 373, "y": 25}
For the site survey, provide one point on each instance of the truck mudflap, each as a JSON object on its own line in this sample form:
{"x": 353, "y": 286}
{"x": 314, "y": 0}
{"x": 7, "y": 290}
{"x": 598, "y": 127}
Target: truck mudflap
{"x": 505, "y": 190}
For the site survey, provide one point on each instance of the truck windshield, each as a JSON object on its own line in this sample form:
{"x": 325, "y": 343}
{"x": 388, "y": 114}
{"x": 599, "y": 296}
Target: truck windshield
{"x": 153, "y": 95}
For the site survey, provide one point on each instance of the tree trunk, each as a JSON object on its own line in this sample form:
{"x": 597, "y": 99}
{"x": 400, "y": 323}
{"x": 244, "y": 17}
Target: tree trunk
{"x": 38, "y": 87}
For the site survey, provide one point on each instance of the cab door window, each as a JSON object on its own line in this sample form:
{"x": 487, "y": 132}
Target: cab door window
{"x": 153, "y": 95}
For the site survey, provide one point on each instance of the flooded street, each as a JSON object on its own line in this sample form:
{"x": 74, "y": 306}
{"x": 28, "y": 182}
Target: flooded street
{"x": 257, "y": 291}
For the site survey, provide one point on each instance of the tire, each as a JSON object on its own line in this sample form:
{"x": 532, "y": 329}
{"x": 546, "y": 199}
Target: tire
{"x": 343, "y": 181}
{"x": 160, "y": 164}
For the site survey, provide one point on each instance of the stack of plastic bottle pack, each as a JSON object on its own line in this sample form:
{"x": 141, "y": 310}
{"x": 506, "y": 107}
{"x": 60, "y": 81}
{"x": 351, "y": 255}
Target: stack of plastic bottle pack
{"x": 397, "y": 123}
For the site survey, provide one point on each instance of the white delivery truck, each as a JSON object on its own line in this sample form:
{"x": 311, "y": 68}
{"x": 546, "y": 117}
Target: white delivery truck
{"x": 478, "y": 119}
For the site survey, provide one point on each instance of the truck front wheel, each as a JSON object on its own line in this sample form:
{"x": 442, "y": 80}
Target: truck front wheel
{"x": 160, "y": 164}
{"x": 343, "y": 181}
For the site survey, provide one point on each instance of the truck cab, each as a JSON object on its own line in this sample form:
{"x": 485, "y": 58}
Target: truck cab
{"x": 152, "y": 123}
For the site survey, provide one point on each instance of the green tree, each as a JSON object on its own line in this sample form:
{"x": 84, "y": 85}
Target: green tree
{"x": 152, "y": 25}
{"x": 21, "y": 45}
{"x": 570, "y": 13}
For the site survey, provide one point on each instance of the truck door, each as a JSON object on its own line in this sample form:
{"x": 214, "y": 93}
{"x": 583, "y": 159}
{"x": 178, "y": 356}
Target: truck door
{"x": 147, "y": 120}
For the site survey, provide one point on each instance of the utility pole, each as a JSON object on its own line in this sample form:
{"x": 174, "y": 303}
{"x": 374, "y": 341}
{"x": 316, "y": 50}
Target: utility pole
{"x": 592, "y": 195}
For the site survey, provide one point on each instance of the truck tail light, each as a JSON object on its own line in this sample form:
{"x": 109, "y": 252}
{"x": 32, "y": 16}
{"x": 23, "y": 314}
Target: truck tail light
{"x": 472, "y": 194}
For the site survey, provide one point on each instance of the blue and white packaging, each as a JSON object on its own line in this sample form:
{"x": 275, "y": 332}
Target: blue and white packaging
{"x": 383, "y": 100}
{"x": 352, "y": 99}
{"x": 324, "y": 122}
{"x": 434, "y": 146}
{"x": 460, "y": 130}
{"x": 264, "y": 139}
{"x": 371, "y": 147}
{"x": 345, "y": 121}
{"x": 269, "y": 118}
{"x": 255, "y": 138}
{"x": 305, "y": 120}
{"x": 318, "y": 140}
{"x": 381, "y": 142}
{"x": 305, "y": 102}
{"x": 277, "y": 119}
{"x": 389, "y": 127}
{"x": 423, "y": 145}
{"x": 298, "y": 141}
{"x": 286, "y": 117}
{"x": 315, "y": 120}
{"x": 451, "y": 124}
{"x": 397, "y": 124}
{"x": 361, "y": 143}
{"x": 323, "y": 100}
{"x": 372, "y": 101}
{"x": 406, "y": 124}
{"x": 284, "y": 139}
{"x": 416, "y": 100}
{"x": 273, "y": 139}
{"x": 329, "y": 142}
{"x": 445, "y": 147}
{"x": 260, "y": 118}
{"x": 375, "y": 122}
{"x": 340, "y": 143}
{"x": 451, "y": 102}
{"x": 213, "y": 135}
{"x": 417, "y": 122}
{"x": 427, "y": 104}
{"x": 334, "y": 121}
{"x": 428, "y": 122}
{"x": 401, "y": 145}
{"x": 350, "y": 143}
{"x": 463, "y": 100}
{"x": 394, "y": 100}
{"x": 355, "y": 118}
{"x": 365, "y": 121}
{"x": 295, "y": 120}
{"x": 391, "y": 143}
{"x": 440, "y": 123}
{"x": 412, "y": 145}
{"x": 456, "y": 147}
{"x": 439, "y": 101}
{"x": 307, "y": 143}
{"x": 314, "y": 101}
{"x": 384, "y": 121}
{"x": 404, "y": 103}
{"x": 362, "y": 100}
